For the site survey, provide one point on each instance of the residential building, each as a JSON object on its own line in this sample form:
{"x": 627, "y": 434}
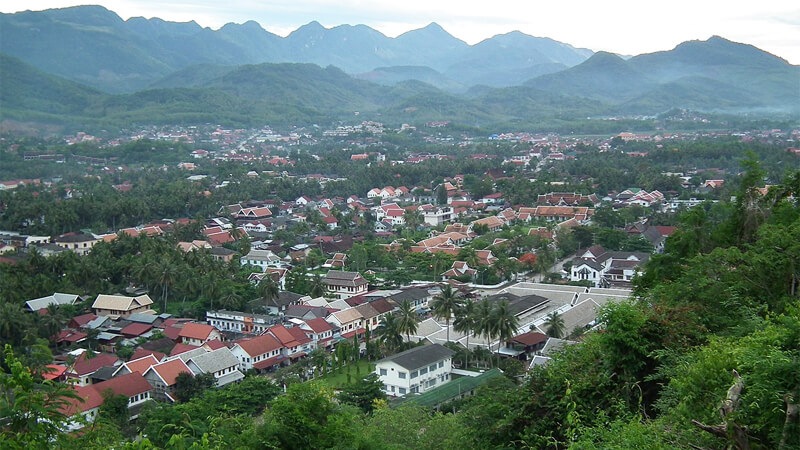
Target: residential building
{"x": 241, "y": 322}
{"x": 295, "y": 344}
{"x": 162, "y": 378}
{"x": 603, "y": 268}
{"x": 416, "y": 370}
{"x": 343, "y": 284}
{"x": 80, "y": 243}
{"x": 198, "y": 333}
{"x": 259, "y": 353}
{"x": 320, "y": 332}
{"x": 55, "y": 299}
{"x": 436, "y": 216}
{"x": 262, "y": 259}
{"x": 116, "y": 306}
{"x": 221, "y": 363}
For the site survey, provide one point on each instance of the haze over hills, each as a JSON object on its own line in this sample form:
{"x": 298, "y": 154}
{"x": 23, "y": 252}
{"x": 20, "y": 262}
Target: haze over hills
{"x": 153, "y": 71}
{"x": 95, "y": 46}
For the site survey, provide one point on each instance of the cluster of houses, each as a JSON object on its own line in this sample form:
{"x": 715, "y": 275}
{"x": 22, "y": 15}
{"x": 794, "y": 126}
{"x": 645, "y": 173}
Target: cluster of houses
{"x": 230, "y": 344}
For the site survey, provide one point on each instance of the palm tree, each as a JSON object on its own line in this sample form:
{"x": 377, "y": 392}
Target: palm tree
{"x": 407, "y": 319}
{"x": 13, "y": 323}
{"x": 167, "y": 276}
{"x": 484, "y": 326}
{"x": 268, "y": 290}
{"x": 318, "y": 287}
{"x": 412, "y": 219}
{"x": 389, "y": 333}
{"x": 505, "y": 324}
{"x": 230, "y": 300}
{"x": 444, "y": 305}
{"x": 465, "y": 321}
{"x": 554, "y": 325}
{"x": 52, "y": 322}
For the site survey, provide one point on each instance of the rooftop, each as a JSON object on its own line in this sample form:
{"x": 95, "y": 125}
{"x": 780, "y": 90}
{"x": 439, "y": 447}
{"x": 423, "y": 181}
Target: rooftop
{"x": 419, "y": 356}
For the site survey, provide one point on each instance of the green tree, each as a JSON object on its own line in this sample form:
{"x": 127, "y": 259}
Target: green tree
{"x": 307, "y": 417}
{"x": 32, "y": 410}
{"x": 188, "y": 387}
{"x": 363, "y": 393}
{"x": 268, "y": 290}
{"x": 466, "y": 321}
{"x": 504, "y": 324}
{"x": 554, "y": 325}
{"x": 445, "y": 305}
{"x": 389, "y": 333}
{"x": 407, "y": 319}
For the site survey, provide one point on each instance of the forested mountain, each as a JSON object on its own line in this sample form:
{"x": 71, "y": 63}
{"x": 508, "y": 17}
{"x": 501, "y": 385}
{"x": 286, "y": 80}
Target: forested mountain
{"x": 192, "y": 74}
{"x": 711, "y": 74}
{"x": 95, "y": 46}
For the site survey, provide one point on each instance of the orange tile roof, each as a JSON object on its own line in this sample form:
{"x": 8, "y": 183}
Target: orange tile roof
{"x": 198, "y": 331}
{"x": 169, "y": 371}
{"x": 259, "y": 345}
{"x": 142, "y": 364}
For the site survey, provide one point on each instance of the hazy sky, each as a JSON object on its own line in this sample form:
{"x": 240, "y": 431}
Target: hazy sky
{"x": 622, "y": 26}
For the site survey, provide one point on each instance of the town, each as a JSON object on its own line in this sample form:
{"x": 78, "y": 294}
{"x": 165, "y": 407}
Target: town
{"x": 506, "y": 254}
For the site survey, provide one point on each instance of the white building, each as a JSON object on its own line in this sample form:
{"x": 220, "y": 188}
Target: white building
{"x": 221, "y": 363}
{"x": 345, "y": 284}
{"x": 438, "y": 216}
{"x": 262, "y": 259}
{"x": 416, "y": 370}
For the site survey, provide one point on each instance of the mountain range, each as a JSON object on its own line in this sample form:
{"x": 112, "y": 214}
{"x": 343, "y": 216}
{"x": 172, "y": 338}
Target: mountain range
{"x": 87, "y": 65}
{"x": 95, "y": 46}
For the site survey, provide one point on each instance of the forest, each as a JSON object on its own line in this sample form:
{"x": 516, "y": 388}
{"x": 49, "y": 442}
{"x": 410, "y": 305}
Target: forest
{"x": 707, "y": 355}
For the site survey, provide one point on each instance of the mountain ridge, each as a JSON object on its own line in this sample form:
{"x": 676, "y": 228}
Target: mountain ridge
{"x": 155, "y": 47}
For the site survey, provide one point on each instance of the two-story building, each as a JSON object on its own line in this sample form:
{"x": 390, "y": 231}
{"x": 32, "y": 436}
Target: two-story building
{"x": 80, "y": 243}
{"x": 259, "y": 353}
{"x": 344, "y": 284}
{"x": 241, "y": 322}
{"x": 220, "y": 362}
{"x": 116, "y": 306}
{"x": 416, "y": 370}
{"x": 162, "y": 378}
{"x": 320, "y": 332}
{"x": 198, "y": 334}
{"x": 295, "y": 344}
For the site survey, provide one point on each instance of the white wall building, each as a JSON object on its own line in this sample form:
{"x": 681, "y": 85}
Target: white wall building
{"x": 416, "y": 370}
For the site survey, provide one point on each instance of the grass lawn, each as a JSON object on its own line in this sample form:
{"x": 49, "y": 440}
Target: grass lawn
{"x": 338, "y": 380}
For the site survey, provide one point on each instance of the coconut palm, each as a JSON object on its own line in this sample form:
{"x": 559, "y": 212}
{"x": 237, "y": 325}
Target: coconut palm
{"x": 444, "y": 305}
{"x": 407, "y": 318}
{"x": 388, "y": 332}
{"x": 554, "y": 325}
{"x": 318, "y": 287}
{"x": 505, "y": 324}
{"x": 484, "y": 325}
{"x": 167, "y": 275}
{"x": 268, "y": 290}
{"x": 13, "y": 323}
{"x": 52, "y": 322}
{"x": 230, "y": 299}
{"x": 465, "y": 321}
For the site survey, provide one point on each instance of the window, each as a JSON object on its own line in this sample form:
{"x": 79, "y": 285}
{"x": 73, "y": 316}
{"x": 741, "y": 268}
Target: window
{"x": 414, "y": 374}
{"x": 402, "y": 391}
{"x": 423, "y": 371}
{"x": 383, "y": 372}
{"x": 432, "y": 367}
{"x": 441, "y": 364}
{"x": 402, "y": 375}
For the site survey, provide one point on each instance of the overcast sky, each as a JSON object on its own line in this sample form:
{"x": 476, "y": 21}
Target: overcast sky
{"x": 622, "y": 26}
